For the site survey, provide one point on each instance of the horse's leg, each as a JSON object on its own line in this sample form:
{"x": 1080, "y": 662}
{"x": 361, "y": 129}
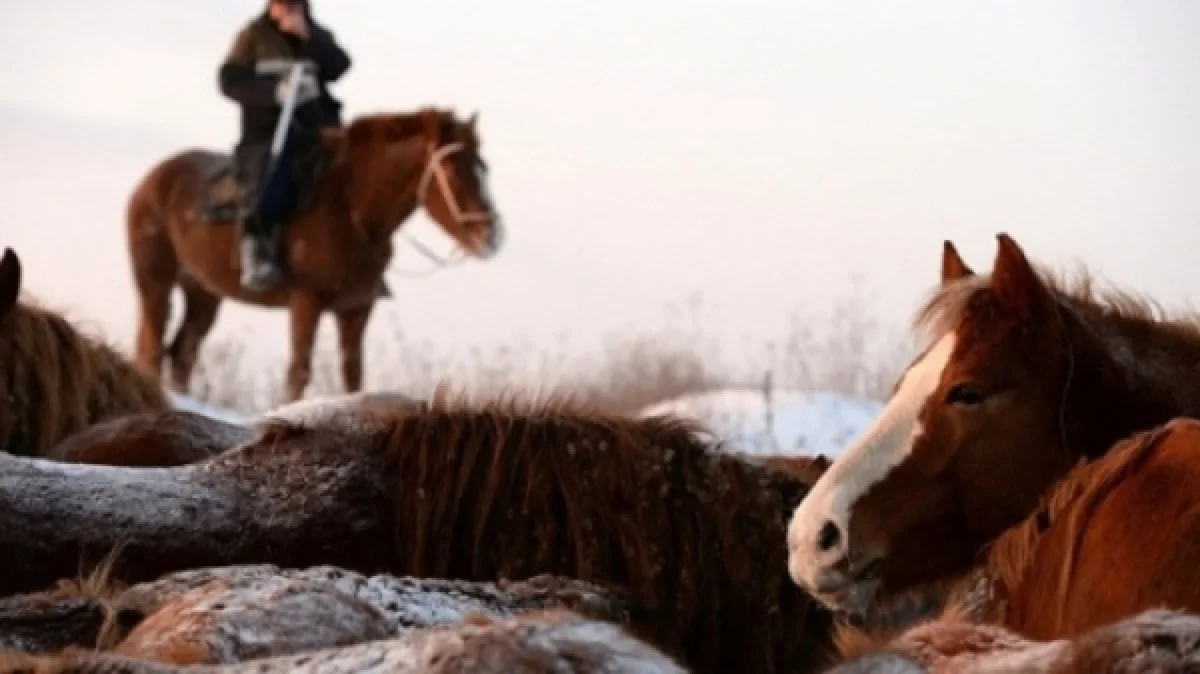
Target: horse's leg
{"x": 156, "y": 308}
{"x": 351, "y": 326}
{"x": 155, "y": 272}
{"x": 305, "y": 312}
{"x": 200, "y": 313}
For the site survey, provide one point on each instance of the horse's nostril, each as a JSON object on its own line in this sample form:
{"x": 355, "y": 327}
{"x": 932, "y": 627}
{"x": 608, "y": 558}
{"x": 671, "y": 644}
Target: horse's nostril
{"x": 829, "y": 537}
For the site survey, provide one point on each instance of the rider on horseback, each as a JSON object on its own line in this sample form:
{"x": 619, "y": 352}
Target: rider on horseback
{"x": 257, "y": 74}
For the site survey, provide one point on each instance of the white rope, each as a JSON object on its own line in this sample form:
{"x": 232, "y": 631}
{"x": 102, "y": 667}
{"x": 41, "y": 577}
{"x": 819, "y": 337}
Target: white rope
{"x": 435, "y": 171}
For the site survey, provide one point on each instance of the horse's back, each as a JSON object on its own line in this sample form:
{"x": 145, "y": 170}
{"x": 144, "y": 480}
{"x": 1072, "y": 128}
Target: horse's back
{"x": 171, "y": 438}
{"x": 165, "y": 175}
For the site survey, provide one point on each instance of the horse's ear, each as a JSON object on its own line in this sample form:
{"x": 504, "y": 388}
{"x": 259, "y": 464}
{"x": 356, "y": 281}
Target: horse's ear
{"x": 953, "y": 267}
{"x": 1015, "y": 283}
{"x": 10, "y": 281}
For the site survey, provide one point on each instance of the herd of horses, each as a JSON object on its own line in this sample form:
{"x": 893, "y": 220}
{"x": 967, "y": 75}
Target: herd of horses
{"x": 1026, "y": 501}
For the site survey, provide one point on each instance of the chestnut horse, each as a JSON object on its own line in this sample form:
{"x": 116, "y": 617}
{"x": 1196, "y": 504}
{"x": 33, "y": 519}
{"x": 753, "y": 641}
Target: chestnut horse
{"x": 148, "y": 440}
{"x": 1117, "y": 536}
{"x": 529, "y": 643}
{"x": 226, "y": 614}
{"x": 1163, "y": 642}
{"x": 1023, "y": 376}
{"x": 55, "y": 381}
{"x": 382, "y": 168}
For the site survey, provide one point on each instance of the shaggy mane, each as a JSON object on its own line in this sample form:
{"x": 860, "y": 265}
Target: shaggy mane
{"x": 948, "y": 305}
{"x": 1076, "y": 496}
{"x": 511, "y": 488}
{"x": 58, "y": 381}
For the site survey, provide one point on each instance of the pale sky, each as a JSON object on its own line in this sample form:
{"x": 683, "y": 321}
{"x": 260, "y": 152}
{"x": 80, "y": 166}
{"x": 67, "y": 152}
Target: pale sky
{"x": 758, "y": 152}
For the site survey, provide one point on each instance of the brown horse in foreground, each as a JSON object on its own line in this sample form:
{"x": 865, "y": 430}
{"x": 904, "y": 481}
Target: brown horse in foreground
{"x": 382, "y": 168}
{"x": 533, "y": 643}
{"x": 149, "y": 440}
{"x": 55, "y": 381}
{"x": 445, "y": 490}
{"x": 1117, "y": 536}
{"x": 224, "y": 615}
{"x": 1024, "y": 376}
{"x": 1153, "y": 641}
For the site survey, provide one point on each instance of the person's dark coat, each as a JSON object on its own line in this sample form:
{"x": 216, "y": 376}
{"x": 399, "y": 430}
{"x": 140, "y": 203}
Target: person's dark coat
{"x": 262, "y": 40}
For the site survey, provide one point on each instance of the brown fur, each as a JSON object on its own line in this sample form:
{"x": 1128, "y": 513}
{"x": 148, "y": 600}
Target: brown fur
{"x": 551, "y": 641}
{"x": 335, "y": 252}
{"x": 1116, "y": 537}
{"x": 222, "y": 615}
{"x": 475, "y": 492}
{"x": 1164, "y": 642}
{"x": 56, "y": 381}
{"x": 808, "y": 469}
{"x": 696, "y": 535}
{"x": 172, "y": 438}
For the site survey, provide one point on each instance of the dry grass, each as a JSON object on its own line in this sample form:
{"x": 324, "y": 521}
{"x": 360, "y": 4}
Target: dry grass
{"x": 843, "y": 351}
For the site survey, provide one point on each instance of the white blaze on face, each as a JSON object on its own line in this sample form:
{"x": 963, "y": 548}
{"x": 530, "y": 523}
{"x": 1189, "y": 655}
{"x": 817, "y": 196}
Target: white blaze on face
{"x": 880, "y": 449}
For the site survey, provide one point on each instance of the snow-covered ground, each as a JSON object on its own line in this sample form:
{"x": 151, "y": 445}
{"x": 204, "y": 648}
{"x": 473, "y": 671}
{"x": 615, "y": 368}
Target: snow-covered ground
{"x": 189, "y": 404}
{"x": 802, "y": 422}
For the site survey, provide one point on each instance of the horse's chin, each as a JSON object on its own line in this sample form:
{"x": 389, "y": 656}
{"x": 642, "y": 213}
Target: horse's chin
{"x": 854, "y": 601}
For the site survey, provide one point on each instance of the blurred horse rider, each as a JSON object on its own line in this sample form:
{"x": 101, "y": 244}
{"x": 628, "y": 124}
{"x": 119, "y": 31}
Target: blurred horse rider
{"x": 257, "y": 74}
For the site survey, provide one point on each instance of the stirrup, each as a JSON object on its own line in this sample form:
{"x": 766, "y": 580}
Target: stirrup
{"x": 258, "y": 272}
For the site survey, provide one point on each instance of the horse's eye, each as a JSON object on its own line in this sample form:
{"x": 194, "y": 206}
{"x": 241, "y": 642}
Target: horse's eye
{"x": 965, "y": 394}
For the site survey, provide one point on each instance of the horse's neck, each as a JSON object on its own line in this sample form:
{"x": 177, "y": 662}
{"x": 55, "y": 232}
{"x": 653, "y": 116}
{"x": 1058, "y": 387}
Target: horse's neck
{"x": 1141, "y": 375}
{"x": 383, "y": 185}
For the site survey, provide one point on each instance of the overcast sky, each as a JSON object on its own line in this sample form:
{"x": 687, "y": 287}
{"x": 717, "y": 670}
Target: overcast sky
{"x": 758, "y": 152}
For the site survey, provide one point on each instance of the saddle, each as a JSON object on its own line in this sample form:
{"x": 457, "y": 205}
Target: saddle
{"x": 226, "y": 195}
{"x": 223, "y": 198}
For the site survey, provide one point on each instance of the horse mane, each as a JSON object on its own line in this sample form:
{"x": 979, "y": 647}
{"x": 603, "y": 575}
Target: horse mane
{"x": 1009, "y": 559}
{"x": 512, "y": 488}
{"x": 949, "y": 304}
{"x": 60, "y": 381}
{"x": 391, "y": 127}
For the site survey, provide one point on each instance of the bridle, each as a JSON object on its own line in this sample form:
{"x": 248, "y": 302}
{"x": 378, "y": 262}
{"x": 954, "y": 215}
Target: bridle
{"x": 435, "y": 171}
{"x": 435, "y": 174}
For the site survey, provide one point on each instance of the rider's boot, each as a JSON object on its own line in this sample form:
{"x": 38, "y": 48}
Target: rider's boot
{"x": 260, "y": 265}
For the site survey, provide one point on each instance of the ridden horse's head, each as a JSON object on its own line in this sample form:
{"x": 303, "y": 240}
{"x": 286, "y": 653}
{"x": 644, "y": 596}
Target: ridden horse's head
{"x": 10, "y": 281}
{"x": 440, "y": 156}
{"x": 970, "y": 438}
{"x": 454, "y": 186}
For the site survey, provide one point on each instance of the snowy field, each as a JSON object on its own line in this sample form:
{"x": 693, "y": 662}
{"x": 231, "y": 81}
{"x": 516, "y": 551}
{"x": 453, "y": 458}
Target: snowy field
{"x": 790, "y": 422}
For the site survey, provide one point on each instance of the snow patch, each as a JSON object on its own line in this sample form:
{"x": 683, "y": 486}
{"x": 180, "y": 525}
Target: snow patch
{"x": 789, "y": 422}
{"x": 189, "y": 404}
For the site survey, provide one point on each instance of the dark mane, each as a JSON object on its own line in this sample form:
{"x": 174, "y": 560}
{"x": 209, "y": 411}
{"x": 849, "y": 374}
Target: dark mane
{"x": 948, "y": 305}
{"x": 55, "y": 381}
{"x": 510, "y": 489}
{"x": 1010, "y": 558}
